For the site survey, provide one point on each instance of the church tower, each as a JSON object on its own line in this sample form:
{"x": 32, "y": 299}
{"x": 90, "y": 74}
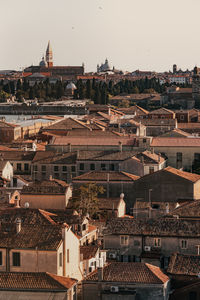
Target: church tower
{"x": 49, "y": 55}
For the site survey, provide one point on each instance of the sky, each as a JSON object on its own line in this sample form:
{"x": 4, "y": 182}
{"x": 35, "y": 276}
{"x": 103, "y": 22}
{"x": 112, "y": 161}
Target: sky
{"x": 132, "y": 34}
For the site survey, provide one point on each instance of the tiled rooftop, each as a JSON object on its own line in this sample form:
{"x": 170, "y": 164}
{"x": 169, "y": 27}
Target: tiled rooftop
{"x": 51, "y": 157}
{"x": 93, "y": 141}
{"x": 154, "y": 227}
{"x": 53, "y": 186}
{"x": 161, "y": 111}
{"x": 34, "y": 281}
{"x": 45, "y": 237}
{"x": 88, "y": 251}
{"x": 131, "y": 272}
{"x": 189, "y": 209}
{"x": 17, "y": 155}
{"x": 186, "y": 175}
{"x": 184, "y": 264}
{"x": 67, "y": 124}
{"x": 175, "y": 142}
{"x": 105, "y": 176}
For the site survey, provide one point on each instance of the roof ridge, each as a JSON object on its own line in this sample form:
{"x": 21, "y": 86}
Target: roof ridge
{"x": 56, "y": 278}
{"x": 153, "y": 270}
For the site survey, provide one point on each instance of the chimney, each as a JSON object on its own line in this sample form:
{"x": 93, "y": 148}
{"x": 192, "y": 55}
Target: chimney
{"x": 17, "y": 203}
{"x": 152, "y": 150}
{"x": 70, "y": 147}
{"x": 120, "y": 146}
{"x": 100, "y": 274}
{"x": 18, "y": 225}
{"x": 50, "y": 177}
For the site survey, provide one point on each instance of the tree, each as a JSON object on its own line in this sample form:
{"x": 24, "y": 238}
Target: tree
{"x": 85, "y": 198}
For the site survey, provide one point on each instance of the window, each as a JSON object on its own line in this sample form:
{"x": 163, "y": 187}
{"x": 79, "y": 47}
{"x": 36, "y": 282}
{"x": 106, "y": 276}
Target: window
{"x": 183, "y": 244}
{"x": 43, "y": 168}
{"x": 92, "y": 166}
{"x": 84, "y": 226}
{"x": 112, "y": 167}
{"x": 56, "y": 168}
{"x": 197, "y": 156}
{"x": 60, "y": 260}
{"x": 82, "y": 166}
{"x": 26, "y": 167}
{"x": 179, "y": 157}
{"x": 155, "y": 206}
{"x": 64, "y": 168}
{"x": 35, "y": 168}
{"x": 56, "y": 175}
{"x": 182, "y": 117}
{"x": 124, "y": 240}
{"x": 144, "y": 140}
{"x": 151, "y": 170}
{"x": 14, "y": 182}
{"x": 73, "y": 168}
{"x": 16, "y": 259}
{"x": 19, "y": 167}
{"x": 192, "y": 295}
{"x": 1, "y": 261}
{"x": 157, "y": 242}
{"x": 103, "y": 167}
{"x": 68, "y": 255}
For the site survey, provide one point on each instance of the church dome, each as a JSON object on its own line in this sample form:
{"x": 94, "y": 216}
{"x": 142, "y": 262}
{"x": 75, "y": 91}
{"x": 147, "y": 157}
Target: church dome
{"x": 43, "y": 63}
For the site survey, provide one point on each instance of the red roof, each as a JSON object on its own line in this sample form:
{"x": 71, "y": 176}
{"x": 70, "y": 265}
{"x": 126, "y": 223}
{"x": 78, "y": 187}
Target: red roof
{"x": 93, "y": 141}
{"x": 175, "y": 142}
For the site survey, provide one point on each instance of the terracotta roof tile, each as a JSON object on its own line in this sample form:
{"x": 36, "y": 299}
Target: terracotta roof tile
{"x": 154, "y": 227}
{"x": 188, "y": 209}
{"x": 184, "y": 264}
{"x": 142, "y": 273}
{"x": 67, "y": 124}
{"x": 161, "y": 111}
{"x": 45, "y": 237}
{"x": 105, "y": 176}
{"x": 34, "y": 281}
{"x": 175, "y": 142}
{"x": 81, "y": 140}
{"x": 186, "y": 175}
{"x": 88, "y": 251}
{"x": 53, "y": 186}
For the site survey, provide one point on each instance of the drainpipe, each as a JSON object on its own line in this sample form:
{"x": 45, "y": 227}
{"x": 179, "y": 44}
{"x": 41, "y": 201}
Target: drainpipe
{"x": 64, "y": 248}
{"x": 7, "y": 260}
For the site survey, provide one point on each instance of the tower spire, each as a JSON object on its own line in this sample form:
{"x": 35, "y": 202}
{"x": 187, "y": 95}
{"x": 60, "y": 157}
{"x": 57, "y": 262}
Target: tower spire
{"x": 49, "y": 55}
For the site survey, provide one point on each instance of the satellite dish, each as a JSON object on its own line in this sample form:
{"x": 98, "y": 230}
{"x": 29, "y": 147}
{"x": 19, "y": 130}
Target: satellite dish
{"x": 26, "y": 205}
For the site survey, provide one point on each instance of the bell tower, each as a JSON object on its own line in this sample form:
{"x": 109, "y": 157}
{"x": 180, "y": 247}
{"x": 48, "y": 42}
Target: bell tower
{"x": 49, "y": 55}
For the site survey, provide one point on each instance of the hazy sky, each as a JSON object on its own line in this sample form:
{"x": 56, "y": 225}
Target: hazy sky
{"x": 132, "y": 34}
